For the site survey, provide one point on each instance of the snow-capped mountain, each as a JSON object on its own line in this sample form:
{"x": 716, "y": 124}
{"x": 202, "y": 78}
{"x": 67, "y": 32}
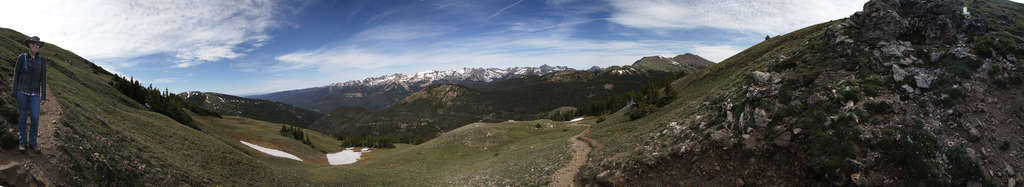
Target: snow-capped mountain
{"x": 484, "y": 75}
{"x": 378, "y": 92}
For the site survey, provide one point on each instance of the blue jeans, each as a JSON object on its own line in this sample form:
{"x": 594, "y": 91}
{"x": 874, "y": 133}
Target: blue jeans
{"x": 26, "y": 105}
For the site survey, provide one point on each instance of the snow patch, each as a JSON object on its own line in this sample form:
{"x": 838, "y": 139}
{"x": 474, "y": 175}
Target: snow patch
{"x": 577, "y": 119}
{"x": 347, "y": 156}
{"x": 272, "y": 152}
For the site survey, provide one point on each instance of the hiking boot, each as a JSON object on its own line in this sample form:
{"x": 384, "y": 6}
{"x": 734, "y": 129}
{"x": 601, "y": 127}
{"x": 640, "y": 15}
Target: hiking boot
{"x": 21, "y": 148}
{"x": 36, "y": 150}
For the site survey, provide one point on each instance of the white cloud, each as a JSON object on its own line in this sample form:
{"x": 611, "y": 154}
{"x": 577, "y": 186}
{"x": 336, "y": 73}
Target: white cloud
{"x": 192, "y": 31}
{"x": 716, "y": 53}
{"x": 762, "y": 16}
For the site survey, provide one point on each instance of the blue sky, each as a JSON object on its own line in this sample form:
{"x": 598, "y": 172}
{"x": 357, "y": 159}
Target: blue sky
{"x": 259, "y": 46}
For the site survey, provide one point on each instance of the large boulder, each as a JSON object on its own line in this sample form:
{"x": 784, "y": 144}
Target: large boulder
{"x": 933, "y": 21}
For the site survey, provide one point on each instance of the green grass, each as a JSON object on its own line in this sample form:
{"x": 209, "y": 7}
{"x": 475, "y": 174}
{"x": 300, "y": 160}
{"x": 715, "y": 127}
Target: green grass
{"x": 112, "y": 140}
{"x": 514, "y": 153}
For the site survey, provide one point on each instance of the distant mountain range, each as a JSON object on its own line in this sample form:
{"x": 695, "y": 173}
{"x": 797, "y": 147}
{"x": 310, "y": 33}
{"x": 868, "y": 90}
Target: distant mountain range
{"x": 253, "y": 108}
{"x": 439, "y": 108}
{"x": 375, "y": 93}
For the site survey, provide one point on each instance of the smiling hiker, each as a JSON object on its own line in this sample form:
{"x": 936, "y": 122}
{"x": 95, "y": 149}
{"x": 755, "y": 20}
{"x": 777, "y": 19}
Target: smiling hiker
{"x": 29, "y": 87}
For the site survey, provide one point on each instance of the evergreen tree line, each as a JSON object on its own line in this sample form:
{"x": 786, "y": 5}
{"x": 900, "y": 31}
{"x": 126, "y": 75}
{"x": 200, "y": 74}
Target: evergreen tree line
{"x": 656, "y": 93}
{"x": 295, "y": 133}
{"x": 164, "y": 102}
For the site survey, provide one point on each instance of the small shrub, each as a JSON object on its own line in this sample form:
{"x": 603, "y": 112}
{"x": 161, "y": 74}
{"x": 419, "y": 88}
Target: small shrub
{"x": 880, "y": 107}
{"x": 960, "y": 68}
{"x": 953, "y": 97}
{"x": 872, "y": 85}
{"x": 537, "y": 126}
{"x": 1005, "y": 146}
{"x": 984, "y": 46}
{"x": 849, "y": 93}
{"x": 785, "y": 64}
{"x": 828, "y": 151}
{"x": 785, "y": 95}
{"x": 8, "y": 140}
{"x": 10, "y": 113}
{"x": 912, "y": 150}
{"x": 783, "y": 112}
{"x": 641, "y": 111}
{"x": 962, "y": 168}
{"x": 600, "y": 119}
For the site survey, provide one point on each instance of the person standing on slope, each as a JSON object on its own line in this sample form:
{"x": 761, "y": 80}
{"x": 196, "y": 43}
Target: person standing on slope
{"x": 29, "y": 88}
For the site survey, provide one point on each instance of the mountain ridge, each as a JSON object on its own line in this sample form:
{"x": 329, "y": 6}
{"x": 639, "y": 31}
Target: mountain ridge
{"x": 258, "y": 109}
{"x": 374, "y": 93}
{"x": 438, "y": 108}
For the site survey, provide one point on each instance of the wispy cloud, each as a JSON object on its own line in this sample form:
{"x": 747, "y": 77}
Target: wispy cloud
{"x": 763, "y": 16}
{"x": 503, "y": 9}
{"x": 191, "y": 31}
{"x": 165, "y": 80}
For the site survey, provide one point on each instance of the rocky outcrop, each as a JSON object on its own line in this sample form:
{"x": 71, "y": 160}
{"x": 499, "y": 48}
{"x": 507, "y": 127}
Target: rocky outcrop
{"x": 933, "y": 21}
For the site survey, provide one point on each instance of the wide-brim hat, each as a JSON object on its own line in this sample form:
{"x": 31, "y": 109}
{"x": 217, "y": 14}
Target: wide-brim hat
{"x": 34, "y": 39}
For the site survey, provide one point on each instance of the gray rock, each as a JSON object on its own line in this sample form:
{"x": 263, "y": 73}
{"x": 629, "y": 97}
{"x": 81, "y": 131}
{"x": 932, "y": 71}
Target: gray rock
{"x": 897, "y": 48}
{"x": 909, "y": 60}
{"x": 762, "y": 77}
{"x": 761, "y": 118}
{"x": 961, "y": 53}
{"x": 909, "y": 89}
{"x": 1009, "y": 169}
{"x": 938, "y": 21}
{"x": 936, "y": 56}
{"x": 898, "y": 74}
{"x": 923, "y": 79}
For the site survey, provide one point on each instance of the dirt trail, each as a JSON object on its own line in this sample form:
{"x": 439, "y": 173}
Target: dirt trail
{"x": 32, "y": 169}
{"x": 581, "y": 151}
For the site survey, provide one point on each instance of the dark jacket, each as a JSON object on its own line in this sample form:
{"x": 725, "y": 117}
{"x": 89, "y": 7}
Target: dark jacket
{"x": 30, "y": 75}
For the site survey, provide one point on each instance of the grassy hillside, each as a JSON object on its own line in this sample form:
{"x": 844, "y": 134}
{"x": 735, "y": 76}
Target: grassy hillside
{"x": 109, "y": 139}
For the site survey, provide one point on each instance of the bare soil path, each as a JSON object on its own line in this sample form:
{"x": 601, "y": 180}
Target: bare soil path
{"x": 31, "y": 169}
{"x": 581, "y": 151}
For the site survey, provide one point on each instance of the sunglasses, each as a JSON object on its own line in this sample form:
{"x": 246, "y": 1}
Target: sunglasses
{"x": 37, "y": 44}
